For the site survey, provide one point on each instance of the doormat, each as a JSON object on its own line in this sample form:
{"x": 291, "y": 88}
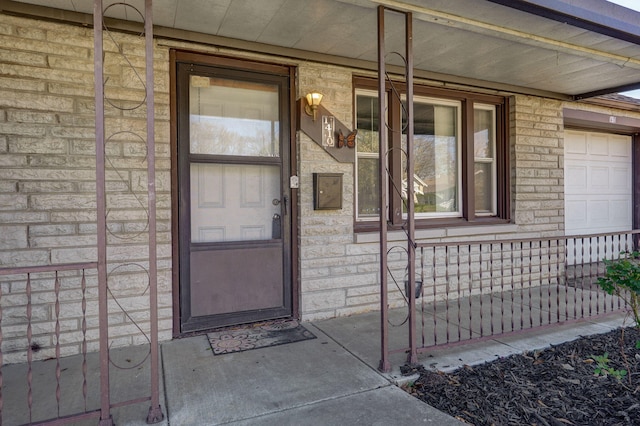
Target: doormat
{"x": 259, "y": 335}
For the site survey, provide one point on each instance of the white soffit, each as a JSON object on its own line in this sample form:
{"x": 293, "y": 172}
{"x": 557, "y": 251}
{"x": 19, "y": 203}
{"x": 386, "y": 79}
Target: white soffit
{"x": 473, "y": 39}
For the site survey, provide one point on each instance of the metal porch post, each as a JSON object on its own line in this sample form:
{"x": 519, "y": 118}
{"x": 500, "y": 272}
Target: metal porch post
{"x": 105, "y": 414}
{"x": 383, "y": 152}
{"x": 385, "y": 365}
{"x": 155, "y": 410}
{"x": 411, "y": 246}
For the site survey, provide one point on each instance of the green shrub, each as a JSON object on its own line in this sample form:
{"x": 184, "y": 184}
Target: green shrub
{"x": 604, "y": 369}
{"x": 623, "y": 280}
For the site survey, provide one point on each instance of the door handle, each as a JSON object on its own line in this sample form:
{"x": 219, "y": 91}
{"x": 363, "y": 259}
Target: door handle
{"x": 276, "y": 227}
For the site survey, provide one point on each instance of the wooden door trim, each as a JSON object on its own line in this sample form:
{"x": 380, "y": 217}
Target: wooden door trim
{"x": 293, "y": 192}
{"x": 175, "y": 247}
{"x": 221, "y": 61}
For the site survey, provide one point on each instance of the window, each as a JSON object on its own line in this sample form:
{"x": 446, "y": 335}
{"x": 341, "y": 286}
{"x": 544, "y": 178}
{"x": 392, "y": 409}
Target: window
{"x": 460, "y": 157}
{"x": 367, "y": 202}
{"x": 484, "y": 147}
{"x": 436, "y": 139}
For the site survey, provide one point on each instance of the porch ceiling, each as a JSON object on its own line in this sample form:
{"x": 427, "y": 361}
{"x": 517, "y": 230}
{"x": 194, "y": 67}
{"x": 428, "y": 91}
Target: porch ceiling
{"x": 470, "y": 39}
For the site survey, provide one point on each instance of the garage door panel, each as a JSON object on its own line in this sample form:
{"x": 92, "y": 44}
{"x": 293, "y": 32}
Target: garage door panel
{"x": 575, "y": 143}
{"x": 591, "y": 213}
{"x": 620, "y": 147}
{"x": 598, "y": 178}
{"x": 576, "y": 178}
{"x": 621, "y": 179}
{"x": 598, "y": 144}
{"x": 577, "y": 209}
{"x": 620, "y": 211}
{"x": 598, "y": 212}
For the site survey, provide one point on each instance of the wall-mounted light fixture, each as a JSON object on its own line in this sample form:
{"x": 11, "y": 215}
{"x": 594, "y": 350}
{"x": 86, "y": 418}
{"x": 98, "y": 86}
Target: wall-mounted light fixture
{"x": 313, "y": 101}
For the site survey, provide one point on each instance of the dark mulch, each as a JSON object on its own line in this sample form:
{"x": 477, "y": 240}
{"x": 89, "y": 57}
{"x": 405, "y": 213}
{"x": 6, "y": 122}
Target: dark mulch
{"x": 555, "y": 386}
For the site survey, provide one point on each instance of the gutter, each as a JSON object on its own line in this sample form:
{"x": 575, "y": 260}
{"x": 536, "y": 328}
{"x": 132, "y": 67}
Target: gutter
{"x": 597, "y": 18}
{"x": 591, "y": 15}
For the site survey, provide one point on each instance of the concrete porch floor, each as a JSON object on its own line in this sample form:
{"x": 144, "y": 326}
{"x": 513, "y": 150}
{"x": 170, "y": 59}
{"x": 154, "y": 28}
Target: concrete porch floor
{"x": 330, "y": 380}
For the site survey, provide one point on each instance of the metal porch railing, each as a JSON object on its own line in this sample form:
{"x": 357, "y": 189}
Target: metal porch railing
{"x": 31, "y": 318}
{"x": 51, "y": 372}
{"x": 458, "y": 292}
{"x": 470, "y": 291}
{"x": 37, "y": 360}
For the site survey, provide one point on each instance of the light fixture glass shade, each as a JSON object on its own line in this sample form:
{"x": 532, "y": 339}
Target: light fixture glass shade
{"x": 314, "y": 98}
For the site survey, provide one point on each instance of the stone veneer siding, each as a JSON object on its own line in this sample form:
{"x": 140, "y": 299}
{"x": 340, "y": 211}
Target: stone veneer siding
{"x": 47, "y": 188}
{"x": 537, "y": 161}
{"x": 47, "y": 184}
{"x": 340, "y": 274}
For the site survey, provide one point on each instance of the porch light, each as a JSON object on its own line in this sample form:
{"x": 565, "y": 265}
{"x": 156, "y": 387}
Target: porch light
{"x": 313, "y": 101}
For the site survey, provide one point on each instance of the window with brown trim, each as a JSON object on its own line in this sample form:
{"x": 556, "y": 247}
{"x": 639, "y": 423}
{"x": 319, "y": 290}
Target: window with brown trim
{"x": 460, "y": 156}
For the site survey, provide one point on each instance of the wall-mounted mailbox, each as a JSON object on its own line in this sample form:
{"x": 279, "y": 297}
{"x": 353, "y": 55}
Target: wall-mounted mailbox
{"x": 327, "y": 191}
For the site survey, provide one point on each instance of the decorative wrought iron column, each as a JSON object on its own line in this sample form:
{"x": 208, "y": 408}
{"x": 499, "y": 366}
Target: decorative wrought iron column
{"x": 385, "y": 365}
{"x": 386, "y": 181}
{"x": 101, "y": 205}
{"x": 155, "y": 410}
{"x": 155, "y": 413}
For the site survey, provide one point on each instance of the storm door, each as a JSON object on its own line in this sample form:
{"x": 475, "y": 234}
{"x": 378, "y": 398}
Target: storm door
{"x": 234, "y": 212}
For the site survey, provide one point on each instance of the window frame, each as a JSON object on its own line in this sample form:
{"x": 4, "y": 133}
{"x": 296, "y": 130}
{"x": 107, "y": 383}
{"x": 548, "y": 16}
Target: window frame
{"x": 468, "y": 101}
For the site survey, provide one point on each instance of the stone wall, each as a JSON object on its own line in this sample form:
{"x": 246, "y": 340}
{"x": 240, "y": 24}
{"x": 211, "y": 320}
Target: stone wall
{"x": 340, "y": 270}
{"x": 338, "y": 277}
{"x": 47, "y": 186}
{"x": 537, "y": 159}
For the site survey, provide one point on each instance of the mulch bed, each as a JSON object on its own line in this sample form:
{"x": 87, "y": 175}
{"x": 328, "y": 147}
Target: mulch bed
{"x": 555, "y": 386}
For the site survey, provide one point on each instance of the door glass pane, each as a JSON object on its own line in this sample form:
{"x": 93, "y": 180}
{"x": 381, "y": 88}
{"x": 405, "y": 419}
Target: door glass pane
{"x": 436, "y": 154}
{"x": 234, "y": 202}
{"x": 231, "y": 117}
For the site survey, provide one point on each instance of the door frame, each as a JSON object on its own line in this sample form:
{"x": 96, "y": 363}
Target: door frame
{"x": 182, "y": 56}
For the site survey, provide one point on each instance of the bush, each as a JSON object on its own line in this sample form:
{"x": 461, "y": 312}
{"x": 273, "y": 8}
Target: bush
{"x": 623, "y": 280}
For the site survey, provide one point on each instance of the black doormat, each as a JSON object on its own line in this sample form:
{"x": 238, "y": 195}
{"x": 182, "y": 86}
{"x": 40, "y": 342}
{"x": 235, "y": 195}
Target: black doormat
{"x": 259, "y": 335}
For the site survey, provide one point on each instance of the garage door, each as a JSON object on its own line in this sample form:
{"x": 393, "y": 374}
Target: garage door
{"x": 598, "y": 184}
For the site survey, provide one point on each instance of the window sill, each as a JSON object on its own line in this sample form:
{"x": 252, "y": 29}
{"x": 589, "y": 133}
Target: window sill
{"x": 439, "y": 233}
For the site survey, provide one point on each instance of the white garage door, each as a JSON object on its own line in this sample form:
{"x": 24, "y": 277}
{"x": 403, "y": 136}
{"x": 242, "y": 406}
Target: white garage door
{"x": 598, "y": 183}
